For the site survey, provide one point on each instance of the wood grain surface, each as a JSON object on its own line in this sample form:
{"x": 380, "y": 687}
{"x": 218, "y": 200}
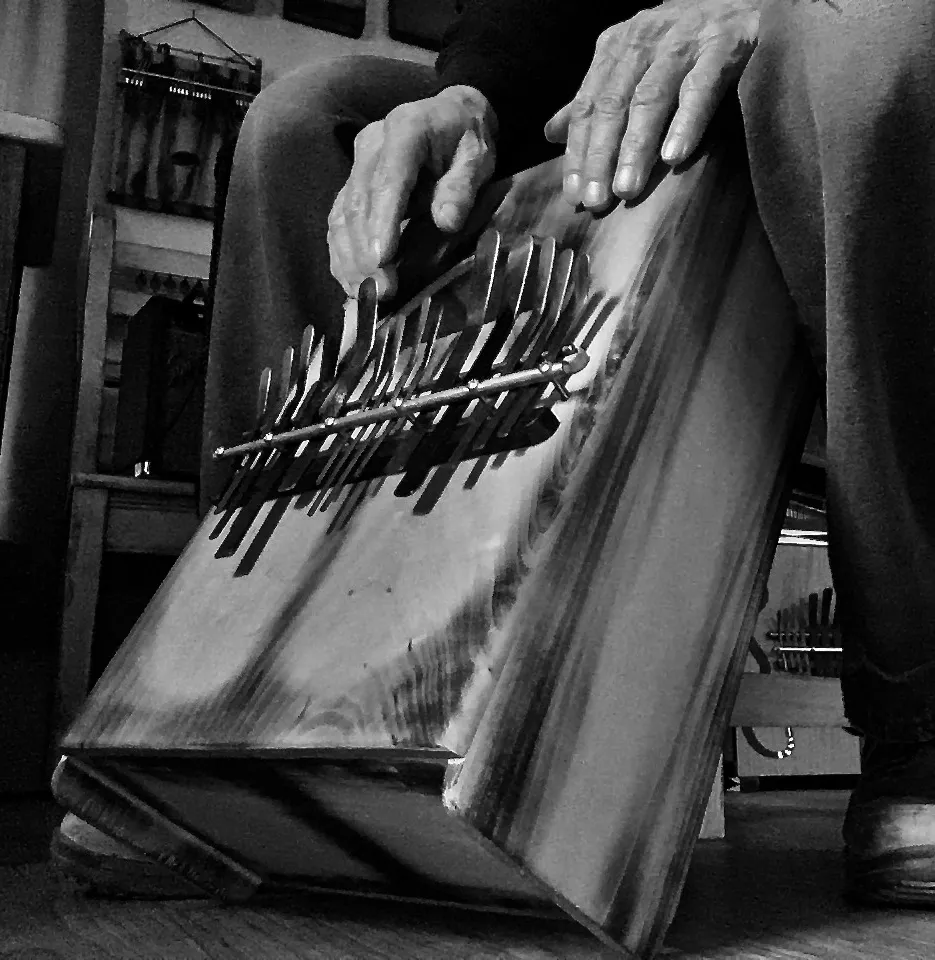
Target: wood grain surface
{"x": 770, "y": 891}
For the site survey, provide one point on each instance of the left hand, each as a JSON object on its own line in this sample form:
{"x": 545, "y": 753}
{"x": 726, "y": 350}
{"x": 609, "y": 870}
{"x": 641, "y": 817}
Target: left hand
{"x": 654, "y": 79}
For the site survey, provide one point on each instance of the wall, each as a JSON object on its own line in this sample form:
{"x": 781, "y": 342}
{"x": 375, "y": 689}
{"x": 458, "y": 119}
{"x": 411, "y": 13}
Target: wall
{"x": 281, "y": 45}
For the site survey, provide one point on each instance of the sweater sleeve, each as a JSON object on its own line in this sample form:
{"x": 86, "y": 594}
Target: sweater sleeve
{"x": 528, "y": 58}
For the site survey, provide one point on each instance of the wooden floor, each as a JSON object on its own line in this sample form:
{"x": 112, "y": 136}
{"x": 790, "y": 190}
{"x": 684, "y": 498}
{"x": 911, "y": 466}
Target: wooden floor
{"x": 771, "y": 891}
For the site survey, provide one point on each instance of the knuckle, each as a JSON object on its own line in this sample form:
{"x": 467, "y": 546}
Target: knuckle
{"x": 650, "y": 93}
{"x": 611, "y": 103}
{"x": 366, "y": 137}
{"x": 581, "y": 108}
{"x": 607, "y": 38}
{"x": 355, "y": 203}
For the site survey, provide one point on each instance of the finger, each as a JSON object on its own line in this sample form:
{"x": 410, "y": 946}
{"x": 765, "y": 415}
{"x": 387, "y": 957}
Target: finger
{"x": 701, "y": 92}
{"x": 404, "y": 153}
{"x": 556, "y": 129}
{"x": 654, "y": 101}
{"x": 358, "y": 197}
{"x": 608, "y": 122}
{"x": 598, "y": 113}
{"x": 343, "y": 266}
{"x": 471, "y": 167}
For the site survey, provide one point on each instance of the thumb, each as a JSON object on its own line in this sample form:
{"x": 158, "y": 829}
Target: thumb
{"x": 471, "y": 167}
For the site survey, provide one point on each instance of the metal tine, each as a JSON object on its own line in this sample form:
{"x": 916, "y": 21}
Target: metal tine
{"x": 256, "y": 481}
{"x": 368, "y": 388}
{"x": 420, "y": 380}
{"x": 490, "y": 310}
{"x": 486, "y": 284}
{"x": 534, "y": 293}
{"x": 560, "y": 285}
{"x": 328, "y": 397}
{"x": 337, "y": 383}
{"x": 262, "y": 401}
{"x": 405, "y": 385}
{"x": 485, "y": 278}
{"x": 298, "y": 380}
{"x": 556, "y": 296}
{"x": 375, "y": 395}
{"x": 574, "y": 315}
{"x": 529, "y": 282}
{"x": 281, "y": 464}
{"x": 273, "y": 405}
{"x": 374, "y": 432}
{"x": 308, "y": 368}
{"x": 512, "y": 293}
{"x": 534, "y": 301}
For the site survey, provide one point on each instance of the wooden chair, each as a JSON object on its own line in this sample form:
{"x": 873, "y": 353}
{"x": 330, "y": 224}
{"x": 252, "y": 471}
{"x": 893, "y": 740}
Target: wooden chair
{"x": 112, "y": 512}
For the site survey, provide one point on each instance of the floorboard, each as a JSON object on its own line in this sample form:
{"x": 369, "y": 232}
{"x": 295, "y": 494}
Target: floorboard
{"x": 771, "y": 891}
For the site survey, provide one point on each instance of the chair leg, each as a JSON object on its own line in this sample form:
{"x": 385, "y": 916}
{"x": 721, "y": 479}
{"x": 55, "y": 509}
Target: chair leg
{"x": 82, "y": 582}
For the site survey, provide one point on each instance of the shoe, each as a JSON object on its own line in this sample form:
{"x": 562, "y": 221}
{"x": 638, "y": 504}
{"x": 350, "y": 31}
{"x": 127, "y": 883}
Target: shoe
{"x": 104, "y": 867}
{"x": 889, "y": 828}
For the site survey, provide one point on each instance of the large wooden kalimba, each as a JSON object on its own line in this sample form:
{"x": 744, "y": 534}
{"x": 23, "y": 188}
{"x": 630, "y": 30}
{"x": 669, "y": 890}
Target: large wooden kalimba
{"x": 468, "y": 621}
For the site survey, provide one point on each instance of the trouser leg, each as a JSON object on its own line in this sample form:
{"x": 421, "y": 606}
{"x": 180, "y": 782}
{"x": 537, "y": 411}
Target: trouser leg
{"x": 839, "y": 108}
{"x": 293, "y": 155}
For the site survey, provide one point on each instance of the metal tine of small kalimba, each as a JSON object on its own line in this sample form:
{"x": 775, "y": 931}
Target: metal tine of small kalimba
{"x": 262, "y": 401}
{"x": 423, "y": 338}
{"x": 386, "y": 358}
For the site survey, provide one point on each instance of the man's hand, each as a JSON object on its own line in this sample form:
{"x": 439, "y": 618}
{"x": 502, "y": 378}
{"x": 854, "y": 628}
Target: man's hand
{"x": 444, "y": 144}
{"x": 655, "y": 79}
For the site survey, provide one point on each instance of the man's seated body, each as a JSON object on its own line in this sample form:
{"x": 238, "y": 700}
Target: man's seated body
{"x": 838, "y": 102}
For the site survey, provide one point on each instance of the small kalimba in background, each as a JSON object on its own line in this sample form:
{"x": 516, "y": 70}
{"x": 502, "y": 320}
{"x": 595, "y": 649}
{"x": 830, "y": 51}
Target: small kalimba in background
{"x": 469, "y": 619}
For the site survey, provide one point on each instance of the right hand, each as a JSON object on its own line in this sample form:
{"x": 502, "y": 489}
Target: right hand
{"x": 448, "y": 140}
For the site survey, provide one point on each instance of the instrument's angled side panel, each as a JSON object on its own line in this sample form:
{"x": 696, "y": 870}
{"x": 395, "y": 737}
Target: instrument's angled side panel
{"x": 593, "y": 759}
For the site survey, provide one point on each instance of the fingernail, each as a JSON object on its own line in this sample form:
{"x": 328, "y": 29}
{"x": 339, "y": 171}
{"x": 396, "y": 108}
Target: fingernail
{"x": 594, "y": 194}
{"x": 376, "y": 248}
{"x": 672, "y": 149}
{"x": 625, "y": 181}
{"x": 572, "y": 184}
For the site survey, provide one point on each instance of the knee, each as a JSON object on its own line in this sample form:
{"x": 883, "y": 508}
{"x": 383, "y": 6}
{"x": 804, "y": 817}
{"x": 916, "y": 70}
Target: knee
{"x": 304, "y": 107}
{"x": 299, "y": 107}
